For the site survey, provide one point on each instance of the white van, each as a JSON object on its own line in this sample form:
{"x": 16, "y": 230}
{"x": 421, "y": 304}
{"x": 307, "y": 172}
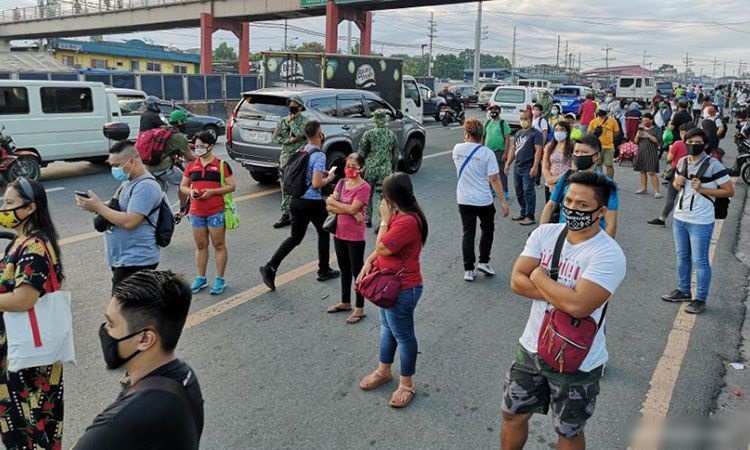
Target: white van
{"x": 513, "y": 100}
{"x": 131, "y": 103}
{"x": 531, "y": 82}
{"x": 58, "y": 120}
{"x": 635, "y": 89}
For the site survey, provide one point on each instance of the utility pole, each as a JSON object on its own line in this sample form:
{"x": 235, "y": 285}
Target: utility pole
{"x": 607, "y": 49}
{"x": 645, "y": 55}
{"x": 478, "y": 45}
{"x": 349, "y": 37}
{"x": 432, "y": 29}
{"x": 567, "y": 56}
{"x": 579, "y": 61}
{"x": 557, "y": 60}
{"x": 513, "y": 59}
{"x": 286, "y": 30}
{"x": 716, "y": 61}
{"x": 688, "y": 62}
{"x": 739, "y": 69}
{"x": 725, "y": 69}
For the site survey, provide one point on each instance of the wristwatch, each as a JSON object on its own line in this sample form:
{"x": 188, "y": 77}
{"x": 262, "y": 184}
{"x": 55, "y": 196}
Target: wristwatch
{"x": 383, "y": 224}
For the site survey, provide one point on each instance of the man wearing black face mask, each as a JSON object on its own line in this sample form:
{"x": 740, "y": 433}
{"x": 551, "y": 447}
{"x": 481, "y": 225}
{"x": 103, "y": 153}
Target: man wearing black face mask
{"x": 586, "y": 154}
{"x": 290, "y": 133}
{"x": 497, "y": 138}
{"x": 161, "y": 405}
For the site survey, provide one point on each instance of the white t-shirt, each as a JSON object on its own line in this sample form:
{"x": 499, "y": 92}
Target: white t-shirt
{"x": 600, "y": 260}
{"x": 473, "y": 187}
{"x": 541, "y": 124}
{"x": 690, "y": 206}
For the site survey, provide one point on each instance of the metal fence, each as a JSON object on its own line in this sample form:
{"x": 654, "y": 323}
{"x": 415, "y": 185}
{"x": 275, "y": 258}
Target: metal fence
{"x": 53, "y": 9}
{"x": 180, "y": 88}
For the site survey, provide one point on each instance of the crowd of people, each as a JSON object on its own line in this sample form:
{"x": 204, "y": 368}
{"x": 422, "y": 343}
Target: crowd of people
{"x": 570, "y": 266}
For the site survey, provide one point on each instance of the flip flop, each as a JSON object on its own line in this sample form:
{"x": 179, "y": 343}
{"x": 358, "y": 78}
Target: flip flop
{"x": 411, "y": 393}
{"x": 351, "y": 320}
{"x": 337, "y": 309}
{"x": 374, "y": 380}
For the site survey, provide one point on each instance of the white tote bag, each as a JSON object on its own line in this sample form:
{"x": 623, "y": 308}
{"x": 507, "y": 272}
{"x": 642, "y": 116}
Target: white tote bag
{"x": 42, "y": 335}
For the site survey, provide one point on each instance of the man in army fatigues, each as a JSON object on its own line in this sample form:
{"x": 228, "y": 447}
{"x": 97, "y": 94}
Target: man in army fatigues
{"x": 290, "y": 133}
{"x": 379, "y": 147}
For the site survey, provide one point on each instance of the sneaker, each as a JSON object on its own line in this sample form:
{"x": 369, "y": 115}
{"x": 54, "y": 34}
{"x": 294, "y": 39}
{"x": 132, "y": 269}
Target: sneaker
{"x": 199, "y": 283}
{"x": 470, "y": 276}
{"x": 268, "y": 274}
{"x": 283, "y": 221}
{"x": 656, "y": 221}
{"x": 657, "y": 195}
{"x": 518, "y": 217}
{"x": 677, "y": 296}
{"x": 486, "y": 269}
{"x": 695, "y": 307}
{"x": 329, "y": 274}
{"x": 219, "y": 285}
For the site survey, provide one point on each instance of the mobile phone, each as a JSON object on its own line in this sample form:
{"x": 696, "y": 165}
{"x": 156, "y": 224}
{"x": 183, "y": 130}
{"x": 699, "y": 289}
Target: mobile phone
{"x": 82, "y": 194}
{"x": 332, "y": 169}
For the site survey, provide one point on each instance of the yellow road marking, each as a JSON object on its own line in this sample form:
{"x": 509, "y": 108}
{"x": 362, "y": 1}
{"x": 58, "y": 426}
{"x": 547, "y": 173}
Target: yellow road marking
{"x": 663, "y": 381}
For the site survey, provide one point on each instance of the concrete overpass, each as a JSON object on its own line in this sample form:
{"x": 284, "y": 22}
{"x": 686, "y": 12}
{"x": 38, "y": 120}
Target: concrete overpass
{"x": 70, "y": 18}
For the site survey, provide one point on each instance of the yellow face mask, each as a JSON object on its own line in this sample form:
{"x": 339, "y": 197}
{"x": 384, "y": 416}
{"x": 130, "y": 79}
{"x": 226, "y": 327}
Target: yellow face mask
{"x": 9, "y": 217}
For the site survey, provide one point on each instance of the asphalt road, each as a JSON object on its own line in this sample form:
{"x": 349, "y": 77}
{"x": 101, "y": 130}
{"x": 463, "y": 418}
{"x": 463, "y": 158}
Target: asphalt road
{"x": 278, "y": 372}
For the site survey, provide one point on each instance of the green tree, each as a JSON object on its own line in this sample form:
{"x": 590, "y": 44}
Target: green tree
{"x": 449, "y": 66}
{"x": 225, "y": 53}
{"x": 415, "y": 66}
{"x": 665, "y": 67}
{"x": 310, "y": 47}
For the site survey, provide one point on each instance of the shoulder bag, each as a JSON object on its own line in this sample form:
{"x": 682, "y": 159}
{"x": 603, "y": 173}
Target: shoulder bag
{"x": 332, "y": 220}
{"x": 231, "y": 218}
{"x": 564, "y": 341}
{"x": 466, "y": 161}
{"x": 43, "y": 335}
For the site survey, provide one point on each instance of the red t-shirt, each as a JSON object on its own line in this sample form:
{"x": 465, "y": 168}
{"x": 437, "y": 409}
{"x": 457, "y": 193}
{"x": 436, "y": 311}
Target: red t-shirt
{"x": 588, "y": 110}
{"x": 678, "y": 151}
{"x": 404, "y": 240}
{"x": 206, "y": 177}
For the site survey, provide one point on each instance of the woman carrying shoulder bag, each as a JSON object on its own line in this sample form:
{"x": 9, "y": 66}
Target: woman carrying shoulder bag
{"x": 348, "y": 201}
{"x": 403, "y": 231}
{"x": 31, "y": 400}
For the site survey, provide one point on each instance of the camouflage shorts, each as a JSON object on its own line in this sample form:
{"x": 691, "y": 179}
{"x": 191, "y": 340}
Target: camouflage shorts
{"x": 531, "y": 386}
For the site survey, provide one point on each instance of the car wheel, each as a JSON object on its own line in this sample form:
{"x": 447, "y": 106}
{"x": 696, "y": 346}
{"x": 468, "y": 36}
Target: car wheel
{"x": 746, "y": 173}
{"x": 25, "y": 166}
{"x": 211, "y": 130}
{"x": 412, "y": 159}
{"x": 263, "y": 177}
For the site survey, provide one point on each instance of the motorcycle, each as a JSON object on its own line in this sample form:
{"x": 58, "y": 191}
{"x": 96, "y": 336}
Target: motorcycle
{"x": 16, "y": 163}
{"x": 450, "y": 115}
{"x": 742, "y": 164}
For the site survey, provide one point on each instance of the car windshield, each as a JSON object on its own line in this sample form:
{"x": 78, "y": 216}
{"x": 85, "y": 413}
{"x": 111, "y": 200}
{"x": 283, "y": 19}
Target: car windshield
{"x": 131, "y": 104}
{"x": 567, "y": 92}
{"x": 664, "y": 86}
{"x": 257, "y": 106}
{"x": 488, "y": 88}
{"x": 510, "y": 96}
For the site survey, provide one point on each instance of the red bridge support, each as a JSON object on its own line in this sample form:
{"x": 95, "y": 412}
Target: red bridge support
{"x": 240, "y": 29}
{"x": 335, "y": 14}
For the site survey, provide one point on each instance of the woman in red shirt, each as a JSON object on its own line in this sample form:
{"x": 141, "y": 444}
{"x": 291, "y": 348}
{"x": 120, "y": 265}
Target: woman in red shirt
{"x": 202, "y": 182}
{"x": 403, "y": 232}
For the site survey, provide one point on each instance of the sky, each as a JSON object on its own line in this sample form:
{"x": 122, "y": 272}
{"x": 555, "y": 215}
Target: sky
{"x": 664, "y": 29}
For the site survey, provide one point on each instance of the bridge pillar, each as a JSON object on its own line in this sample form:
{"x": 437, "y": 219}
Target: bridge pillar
{"x": 240, "y": 29}
{"x": 335, "y": 14}
{"x": 4, "y": 45}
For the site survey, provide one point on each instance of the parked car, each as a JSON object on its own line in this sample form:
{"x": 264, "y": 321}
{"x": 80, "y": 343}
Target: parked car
{"x": 513, "y": 100}
{"x": 343, "y": 113}
{"x": 431, "y": 102}
{"x": 572, "y": 97}
{"x": 485, "y": 94}
{"x": 469, "y": 94}
{"x": 196, "y": 124}
{"x": 665, "y": 88}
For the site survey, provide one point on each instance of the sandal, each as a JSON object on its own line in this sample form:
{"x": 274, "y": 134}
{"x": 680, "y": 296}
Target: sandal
{"x": 410, "y": 391}
{"x": 337, "y": 309}
{"x": 351, "y": 320}
{"x": 374, "y": 380}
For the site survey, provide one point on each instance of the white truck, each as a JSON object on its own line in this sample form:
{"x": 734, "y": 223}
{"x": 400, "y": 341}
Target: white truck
{"x": 635, "y": 89}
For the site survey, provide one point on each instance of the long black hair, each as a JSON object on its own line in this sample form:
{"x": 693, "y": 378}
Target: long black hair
{"x": 397, "y": 189}
{"x": 568, "y": 141}
{"x": 40, "y": 220}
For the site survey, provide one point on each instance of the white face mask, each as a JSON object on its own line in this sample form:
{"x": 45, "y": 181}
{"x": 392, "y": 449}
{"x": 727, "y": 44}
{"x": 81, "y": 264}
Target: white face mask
{"x": 200, "y": 151}
{"x": 555, "y": 111}
{"x": 560, "y": 135}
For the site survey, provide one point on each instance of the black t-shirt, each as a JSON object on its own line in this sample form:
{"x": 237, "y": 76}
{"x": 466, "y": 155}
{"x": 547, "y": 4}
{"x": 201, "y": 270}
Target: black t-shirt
{"x": 151, "y": 419}
{"x": 680, "y": 118}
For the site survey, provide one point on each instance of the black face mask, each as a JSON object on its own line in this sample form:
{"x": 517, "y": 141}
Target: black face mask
{"x": 578, "y": 220}
{"x": 583, "y": 162}
{"x": 294, "y": 109}
{"x": 112, "y": 357}
{"x": 695, "y": 149}
{"x": 494, "y": 114}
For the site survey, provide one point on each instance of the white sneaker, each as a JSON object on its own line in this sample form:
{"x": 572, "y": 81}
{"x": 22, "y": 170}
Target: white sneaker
{"x": 470, "y": 275}
{"x": 486, "y": 269}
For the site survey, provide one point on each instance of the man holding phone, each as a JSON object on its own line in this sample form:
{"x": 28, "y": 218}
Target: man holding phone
{"x": 310, "y": 207}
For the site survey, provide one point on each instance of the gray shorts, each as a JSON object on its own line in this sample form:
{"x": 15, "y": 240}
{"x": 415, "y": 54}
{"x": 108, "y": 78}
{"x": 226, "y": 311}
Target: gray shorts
{"x": 172, "y": 176}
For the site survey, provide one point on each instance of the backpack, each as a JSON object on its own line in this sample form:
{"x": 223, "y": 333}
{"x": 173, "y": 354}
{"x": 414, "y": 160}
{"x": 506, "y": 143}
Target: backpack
{"x": 550, "y": 130}
{"x": 711, "y": 130}
{"x": 721, "y": 205}
{"x": 151, "y": 143}
{"x": 164, "y": 226}
{"x": 619, "y": 138}
{"x": 295, "y": 173}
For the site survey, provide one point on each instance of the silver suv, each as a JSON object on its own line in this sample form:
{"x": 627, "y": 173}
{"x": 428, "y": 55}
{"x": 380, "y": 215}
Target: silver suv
{"x": 343, "y": 113}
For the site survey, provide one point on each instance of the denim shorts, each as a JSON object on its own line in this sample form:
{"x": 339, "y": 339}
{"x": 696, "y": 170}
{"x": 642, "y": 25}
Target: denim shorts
{"x": 212, "y": 221}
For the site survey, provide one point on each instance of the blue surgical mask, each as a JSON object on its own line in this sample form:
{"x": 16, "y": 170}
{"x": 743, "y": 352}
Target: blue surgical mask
{"x": 119, "y": 174}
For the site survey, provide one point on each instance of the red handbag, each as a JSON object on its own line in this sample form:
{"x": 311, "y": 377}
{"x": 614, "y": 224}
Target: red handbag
{"x": 381, "y": 287}
{"x": 565, "y": 341}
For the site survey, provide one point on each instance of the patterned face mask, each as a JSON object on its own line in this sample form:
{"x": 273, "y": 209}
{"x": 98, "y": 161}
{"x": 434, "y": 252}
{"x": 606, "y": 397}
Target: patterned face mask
{"x": 578, "y": 220}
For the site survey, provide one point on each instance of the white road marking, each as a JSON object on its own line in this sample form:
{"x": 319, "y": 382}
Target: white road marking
{"x": 54, "y": 189}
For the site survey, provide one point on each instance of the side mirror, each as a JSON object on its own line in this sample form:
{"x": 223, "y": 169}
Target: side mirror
{"x": 399, "y": 114}
{"x": 116, "y": 131}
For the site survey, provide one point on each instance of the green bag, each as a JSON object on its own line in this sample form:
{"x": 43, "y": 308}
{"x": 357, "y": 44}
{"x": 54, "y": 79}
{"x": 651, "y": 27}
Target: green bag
{"x": 231, "y": 218}
{"x": 667, "y": 138}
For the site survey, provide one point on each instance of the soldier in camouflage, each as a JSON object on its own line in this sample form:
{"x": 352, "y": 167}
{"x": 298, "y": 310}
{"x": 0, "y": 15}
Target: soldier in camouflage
{"x": 379, "y": 147}
{"x": 290, "y": 133}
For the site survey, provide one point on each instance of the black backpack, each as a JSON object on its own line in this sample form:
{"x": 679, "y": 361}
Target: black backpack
{"x": 295, "y": 173}
{"x": 712, "y": 132}
{"x": 164, "y": 226}
{"x": 721, "y": 205}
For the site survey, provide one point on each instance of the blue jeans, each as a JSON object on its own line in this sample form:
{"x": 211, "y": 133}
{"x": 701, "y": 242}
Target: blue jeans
{"x": 692, "y": 243}
{"x": 397, "y": 331}
{"x": 212, "y": 221}
{"x": 525, "y": 189}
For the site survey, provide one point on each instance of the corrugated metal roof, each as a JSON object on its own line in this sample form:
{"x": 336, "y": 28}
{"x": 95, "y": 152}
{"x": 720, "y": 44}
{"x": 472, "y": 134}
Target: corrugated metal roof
{"x": 131, "y": 49}
{"x": 31, "y": 62}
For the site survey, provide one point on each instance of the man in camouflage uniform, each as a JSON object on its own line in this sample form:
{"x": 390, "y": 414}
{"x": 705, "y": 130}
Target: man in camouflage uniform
{"x": 290, "y": 133}
{"x": 546, "y": 101}
{"x": 379, "y": 147}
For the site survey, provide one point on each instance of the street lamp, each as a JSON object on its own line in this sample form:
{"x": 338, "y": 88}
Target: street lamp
{"x": 422, "y": 60}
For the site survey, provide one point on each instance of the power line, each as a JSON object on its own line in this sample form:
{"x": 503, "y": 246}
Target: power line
{"x": 607, "y": 49}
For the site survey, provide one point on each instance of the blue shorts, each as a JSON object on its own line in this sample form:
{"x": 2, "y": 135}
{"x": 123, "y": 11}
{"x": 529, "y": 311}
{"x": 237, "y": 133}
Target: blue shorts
{"x": 212, "y": 221}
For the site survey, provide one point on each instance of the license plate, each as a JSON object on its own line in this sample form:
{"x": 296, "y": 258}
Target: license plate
{"x": 507, "y": 110}
{"x": 262, "y": 137}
